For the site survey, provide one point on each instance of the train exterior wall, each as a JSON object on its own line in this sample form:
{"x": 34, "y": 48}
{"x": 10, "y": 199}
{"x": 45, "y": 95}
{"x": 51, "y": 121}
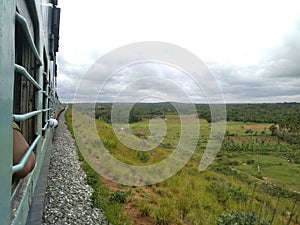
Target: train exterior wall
{"x": 14, "y": 208}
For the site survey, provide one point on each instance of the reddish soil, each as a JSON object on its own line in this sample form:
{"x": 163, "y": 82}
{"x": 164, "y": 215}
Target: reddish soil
{"x": 256, "y": 127}
{"x": 185, "y": 118}
{"x": 135, "y": 215}
{"x": 130, "y": 209}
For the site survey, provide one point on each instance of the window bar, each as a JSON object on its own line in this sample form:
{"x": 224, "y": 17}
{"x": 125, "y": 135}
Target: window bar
{"x": 23, "y": 161}
{"x": 22, "y": 21}
{"x": 14, "y": 188}
{"x": 45, "y": 93}
{"x": 51, "y": 99}
{"x": 46, "y": 78}
{"x": 23, "y": 71}
{"x": 45, "y": 127}
{"x": 45, "y": 110}
{"x": 26, "y": 116}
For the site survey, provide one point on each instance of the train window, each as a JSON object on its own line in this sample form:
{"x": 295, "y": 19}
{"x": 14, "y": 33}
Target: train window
{"x": 28, "y": 90}
{"x": 25, "y": 96}
{"x": 24, "y": 90}
{"x": 46, "y": 73}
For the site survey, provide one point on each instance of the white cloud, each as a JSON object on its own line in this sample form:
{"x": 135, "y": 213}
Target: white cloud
{"x": 247, "y": 44}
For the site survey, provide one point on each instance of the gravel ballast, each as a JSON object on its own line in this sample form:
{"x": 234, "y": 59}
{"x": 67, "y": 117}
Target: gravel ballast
{"x": 67, "y": 198}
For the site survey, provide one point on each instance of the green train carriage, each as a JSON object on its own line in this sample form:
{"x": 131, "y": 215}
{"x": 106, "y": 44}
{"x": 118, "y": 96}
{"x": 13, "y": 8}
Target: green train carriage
{"x": 29, "y": 38}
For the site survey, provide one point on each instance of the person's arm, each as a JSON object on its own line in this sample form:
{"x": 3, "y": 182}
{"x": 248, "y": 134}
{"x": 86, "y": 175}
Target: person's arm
{"x": 20, "y": 147}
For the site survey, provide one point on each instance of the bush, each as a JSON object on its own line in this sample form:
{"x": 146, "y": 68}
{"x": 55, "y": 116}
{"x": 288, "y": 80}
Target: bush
{"x": 276, "y": 190}
{"x": 164, "y": 214}
{"x": 118, "y": 196}
{"x": 237, "y": 218}
{"x": 167, "y": 145}
{"x": 110, "y": 143}
{"x": 232, "y": 163}
{"x": 144, "y": 208}
{"x": 297, "y": 161}
{"x": 225, "y": 193}
{"x": 249, "y": 131}
{"x": 143, "y": 157}
{"x": 250, "y": 161}
{"x": 226, "y": 170}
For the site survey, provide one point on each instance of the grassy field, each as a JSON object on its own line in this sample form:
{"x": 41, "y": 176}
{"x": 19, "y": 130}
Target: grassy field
{"x": 273, "y": 169}
{"x": 232, "y": 183}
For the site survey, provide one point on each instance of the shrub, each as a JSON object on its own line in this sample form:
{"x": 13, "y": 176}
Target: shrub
{"x": 167, "y": 145}
{"x": 249, "y": 131}
{"x": 276, "y": 190}
{"x": 144, "y": 208}
{"x": 245, "y": 218}
{"x": 110, "y": 143}
{"x": 118, "y": 196}
{"x": 225, "y": 193}
{"x": 232, "y": 163}
{"x": 226, "y": 170}
{"x": 297, "y": 161}
{"x": 164, "y": 215}
{"x": 250, "y": 161}
{"x": 240, "y": 218}
{"x": 143, "y": 157}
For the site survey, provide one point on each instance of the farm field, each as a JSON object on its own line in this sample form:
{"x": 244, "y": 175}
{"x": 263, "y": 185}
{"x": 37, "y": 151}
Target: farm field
{"x": 252, "y": 173}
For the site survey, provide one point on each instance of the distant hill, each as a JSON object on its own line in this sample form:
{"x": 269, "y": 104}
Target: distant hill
{"x": 280, "y": 113}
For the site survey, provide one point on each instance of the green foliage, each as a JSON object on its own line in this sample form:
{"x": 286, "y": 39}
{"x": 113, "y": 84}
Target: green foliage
{"x": 193, "y": 197}
{"x": 266, "y": 222}
{"x": 118, "y": 196}
{"x": 144, "y": 208}
{"x": 114, "y": 214}
{"x": 273, "y": 129}
{"x": 291, "y": 138}
{"x": 276, "y": 190}
{"x": 262, "y": 113}
{"x": 237, "y": 218}
{"x": 167, "y": 145}
{"x": 68, "y": 118}
{"x": 240, "y": 218}
{"x": 137, "y": 113}
{"x": 249, "y": 131}
{"x": 164, "y": 214}
{"x": 143, "y": 157}
{"x": 226, "y": 170}
{"x": 250, "y": 161}
{"x": 297, "y": 161}
{"x": 110, "y": 142}
{"x": 224, "y": 193}
{"x": 101, "y": 198}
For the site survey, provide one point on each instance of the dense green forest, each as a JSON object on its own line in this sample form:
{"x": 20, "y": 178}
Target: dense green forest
{"x": 138, "y": 112}
{"x": 285, "y": 115}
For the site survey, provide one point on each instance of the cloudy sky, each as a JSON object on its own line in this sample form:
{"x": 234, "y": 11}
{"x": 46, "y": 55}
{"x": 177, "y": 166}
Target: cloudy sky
{"x": 252, "y": 48}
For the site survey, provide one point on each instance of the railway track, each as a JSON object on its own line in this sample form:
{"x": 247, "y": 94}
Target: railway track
{"x": 67, "y": 196}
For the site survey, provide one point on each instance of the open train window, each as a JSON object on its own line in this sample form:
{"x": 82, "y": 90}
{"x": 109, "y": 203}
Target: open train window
{"x": 46, "y": 92}
{"x": 25, "y": 95}
{"x": 24, "y": 91}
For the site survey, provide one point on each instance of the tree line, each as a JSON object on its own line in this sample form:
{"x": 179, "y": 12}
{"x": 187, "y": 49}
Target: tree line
{"x": 286, "y": 116}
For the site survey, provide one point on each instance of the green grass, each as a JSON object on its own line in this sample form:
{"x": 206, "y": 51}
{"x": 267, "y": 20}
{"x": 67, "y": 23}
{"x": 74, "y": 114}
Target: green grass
{"x": 102, "y": 195}
{"x": 273, "y": 169}
{"x": 193, "y": 197}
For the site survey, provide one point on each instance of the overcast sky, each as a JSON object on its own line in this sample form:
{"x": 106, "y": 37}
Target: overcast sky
{"x": 251, "y": 47}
